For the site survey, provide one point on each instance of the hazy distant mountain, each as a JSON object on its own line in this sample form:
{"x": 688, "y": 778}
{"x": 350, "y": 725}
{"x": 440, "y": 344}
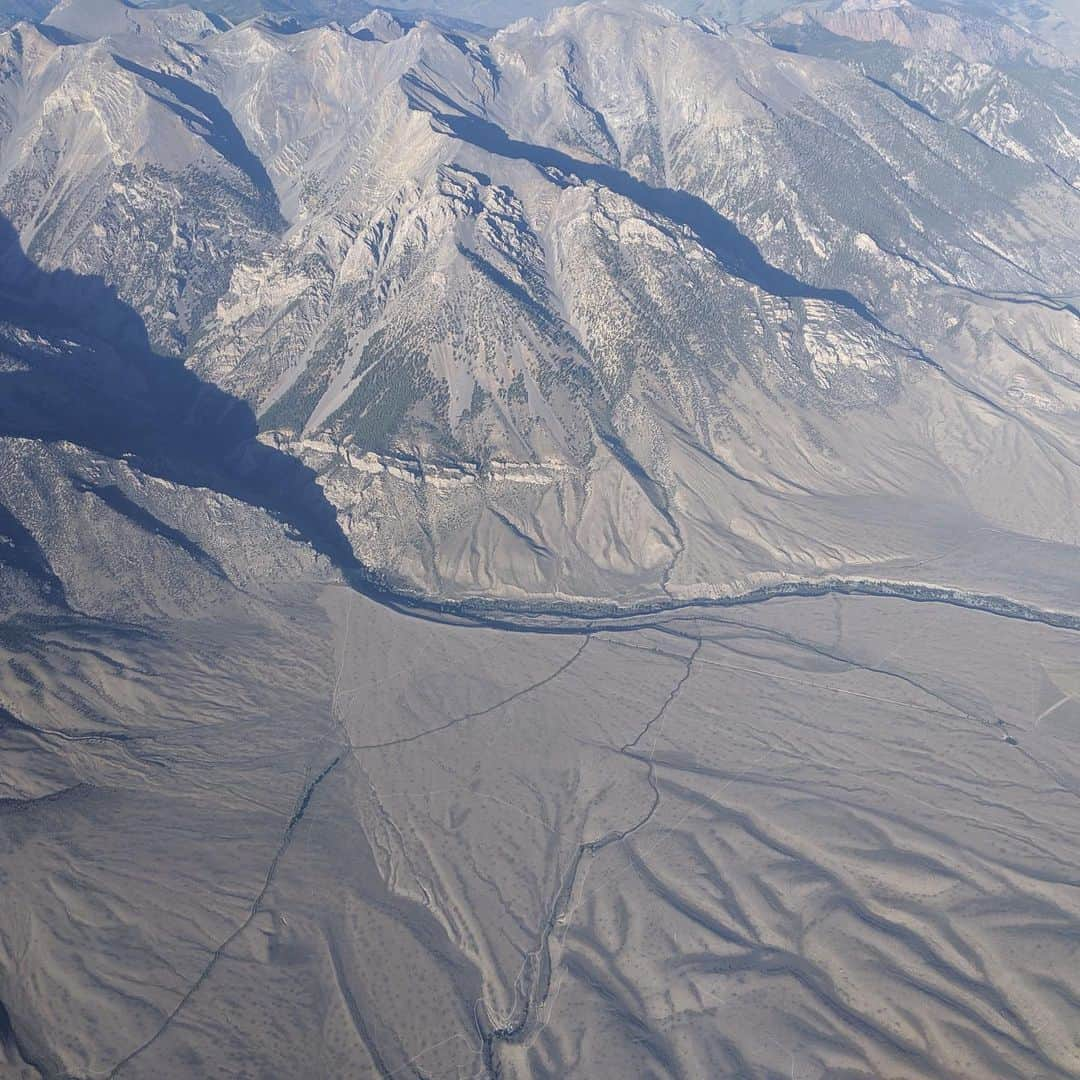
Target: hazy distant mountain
{"x": 478, "y": 14}
{"x": 1051, "y": 21}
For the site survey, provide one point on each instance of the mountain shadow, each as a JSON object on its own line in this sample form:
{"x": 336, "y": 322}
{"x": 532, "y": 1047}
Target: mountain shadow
{"x": 735, "y": 251}
{"x": 76, "y": 364}
{"x": 205, "y": 114}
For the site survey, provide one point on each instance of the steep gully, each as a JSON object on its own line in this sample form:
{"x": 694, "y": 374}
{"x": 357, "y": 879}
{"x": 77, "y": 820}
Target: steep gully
{"x": 735, "y": 251}
{"x": 135, "y": 404}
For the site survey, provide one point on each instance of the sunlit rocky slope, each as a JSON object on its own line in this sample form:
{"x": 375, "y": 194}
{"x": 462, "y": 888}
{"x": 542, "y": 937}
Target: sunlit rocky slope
{"x": 617, "y": 304}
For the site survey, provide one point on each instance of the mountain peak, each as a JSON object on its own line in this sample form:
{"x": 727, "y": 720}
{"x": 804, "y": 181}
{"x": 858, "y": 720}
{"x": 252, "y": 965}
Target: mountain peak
{"x": 92, "y": 20}
{"x": 379, "y": 25}
{"x": 979, "y": 34}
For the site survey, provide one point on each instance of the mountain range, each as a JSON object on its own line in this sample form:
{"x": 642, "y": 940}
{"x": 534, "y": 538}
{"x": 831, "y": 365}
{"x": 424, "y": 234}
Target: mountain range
{"x": 615, "y": 304}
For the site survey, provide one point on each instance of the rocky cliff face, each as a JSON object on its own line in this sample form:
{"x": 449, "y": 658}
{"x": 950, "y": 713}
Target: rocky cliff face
{"x": 613, "y": 304}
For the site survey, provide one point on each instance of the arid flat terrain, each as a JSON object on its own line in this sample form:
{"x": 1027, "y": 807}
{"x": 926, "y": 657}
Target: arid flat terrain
{"x": 308, "y": 835}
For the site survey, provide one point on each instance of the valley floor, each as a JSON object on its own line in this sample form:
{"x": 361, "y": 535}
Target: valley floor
{"x": 303, "y": 834}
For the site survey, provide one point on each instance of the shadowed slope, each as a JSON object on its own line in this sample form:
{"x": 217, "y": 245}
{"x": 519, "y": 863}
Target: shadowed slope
{"x": 80, "y": 369}
{"x": 737, "y": 253}
{"x": 202, "y": 111}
